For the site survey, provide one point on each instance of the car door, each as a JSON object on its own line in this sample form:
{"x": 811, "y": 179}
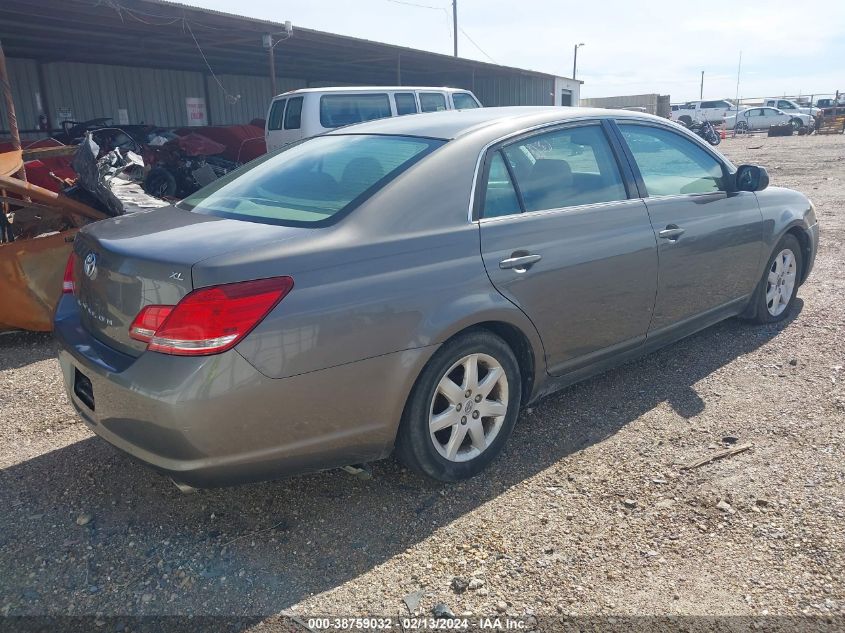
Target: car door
{"x": 759, "y": 119}
{"x": 774, "y": 116}
{"x": 561, "y": 239}
{"x": 710, "y": 239}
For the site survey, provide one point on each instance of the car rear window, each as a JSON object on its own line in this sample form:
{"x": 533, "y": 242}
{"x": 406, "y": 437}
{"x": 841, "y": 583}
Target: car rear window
{"x": 338, "y": 110}
{"x": 310, "y": 182}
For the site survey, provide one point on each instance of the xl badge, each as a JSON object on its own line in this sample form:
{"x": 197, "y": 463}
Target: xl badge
{"x": 91, "y": 266}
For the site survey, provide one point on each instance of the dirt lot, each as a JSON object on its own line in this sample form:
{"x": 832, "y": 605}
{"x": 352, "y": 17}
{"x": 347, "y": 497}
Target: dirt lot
{"x": 588, "y": 512}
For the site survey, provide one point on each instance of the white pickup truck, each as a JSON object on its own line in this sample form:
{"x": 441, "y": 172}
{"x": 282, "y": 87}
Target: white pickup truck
{"x": 789, "y": 106}
{"x": 713, "y": 111}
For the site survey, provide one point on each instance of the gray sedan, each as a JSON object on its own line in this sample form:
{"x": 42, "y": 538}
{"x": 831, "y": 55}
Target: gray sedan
{"x": 407, "y": 285}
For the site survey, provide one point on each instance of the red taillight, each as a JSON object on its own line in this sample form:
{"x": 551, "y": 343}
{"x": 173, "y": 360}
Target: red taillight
{"x": 209, "y": 320}
{"x": 149, "y": 319}
{"x": 67, "y": 281}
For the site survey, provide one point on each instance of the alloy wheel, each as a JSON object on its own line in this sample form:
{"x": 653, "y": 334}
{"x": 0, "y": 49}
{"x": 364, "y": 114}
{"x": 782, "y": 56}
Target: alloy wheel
{"x": 468, "y": 407}
{"x": 780, "y": 282}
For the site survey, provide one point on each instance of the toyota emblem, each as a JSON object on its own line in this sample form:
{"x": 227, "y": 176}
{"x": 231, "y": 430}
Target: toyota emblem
{"x": 91, "y": 266}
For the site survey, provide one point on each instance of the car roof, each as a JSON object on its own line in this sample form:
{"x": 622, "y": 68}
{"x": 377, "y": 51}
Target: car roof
{"x": 450, "y": 124}
{"x": 359, "y": 89}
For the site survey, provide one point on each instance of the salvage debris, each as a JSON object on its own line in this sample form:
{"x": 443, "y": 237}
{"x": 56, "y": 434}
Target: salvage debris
{"x": 734, "y": 450}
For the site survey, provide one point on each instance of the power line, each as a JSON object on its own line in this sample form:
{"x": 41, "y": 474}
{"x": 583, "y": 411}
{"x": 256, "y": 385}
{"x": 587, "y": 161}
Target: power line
{"x": 229, "y": 97}
{"x": 466, "y": 35}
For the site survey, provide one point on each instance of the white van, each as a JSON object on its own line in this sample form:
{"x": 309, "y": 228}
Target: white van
{"x": 307, "y": 112}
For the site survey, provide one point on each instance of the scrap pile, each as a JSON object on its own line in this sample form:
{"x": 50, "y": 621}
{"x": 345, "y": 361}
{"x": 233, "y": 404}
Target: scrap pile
{"x": 88, "y": 172}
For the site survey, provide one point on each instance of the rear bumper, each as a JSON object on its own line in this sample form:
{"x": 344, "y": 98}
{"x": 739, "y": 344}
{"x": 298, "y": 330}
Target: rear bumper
{"x": 216, "y": 420}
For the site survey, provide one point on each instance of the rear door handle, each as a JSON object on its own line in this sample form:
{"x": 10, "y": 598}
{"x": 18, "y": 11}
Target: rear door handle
{"x": 521, "y": 263}
{"x": 671, "y": 232}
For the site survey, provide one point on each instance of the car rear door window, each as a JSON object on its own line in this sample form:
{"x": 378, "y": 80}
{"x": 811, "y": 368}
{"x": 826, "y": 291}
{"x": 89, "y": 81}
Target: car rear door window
{"x": 463, "y": 101}
{"x": 345, "y": 109}
{"x": 670, "y": 164}
{"x": 500, "y": 196}
{"x": 564, "y": 168}
{"x": 311, "y": 181}
{"x": 293, "y": 114}
{"x": 277, "y": 110}
{"x": 432, "y": 101}
{"x": 406, "y": 103}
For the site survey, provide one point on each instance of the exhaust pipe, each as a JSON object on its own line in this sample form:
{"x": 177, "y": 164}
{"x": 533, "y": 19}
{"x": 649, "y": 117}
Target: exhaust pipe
{"x": 184, "y": 488}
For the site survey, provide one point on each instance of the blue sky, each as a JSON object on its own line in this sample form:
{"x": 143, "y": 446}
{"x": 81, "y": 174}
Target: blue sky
{"x": 631, "y": 47}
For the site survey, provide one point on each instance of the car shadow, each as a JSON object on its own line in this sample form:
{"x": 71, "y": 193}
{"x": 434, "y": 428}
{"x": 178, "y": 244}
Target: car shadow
{"x": 87, "y": 530}
{"x": 19, "y": 348}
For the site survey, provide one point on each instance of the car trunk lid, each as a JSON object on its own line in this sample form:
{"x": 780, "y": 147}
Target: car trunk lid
{"x": 129, "y": 262}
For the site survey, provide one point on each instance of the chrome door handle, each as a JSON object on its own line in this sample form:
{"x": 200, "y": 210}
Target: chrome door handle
{"x": 520, "y": 263}
{"x": 671, "y": 232}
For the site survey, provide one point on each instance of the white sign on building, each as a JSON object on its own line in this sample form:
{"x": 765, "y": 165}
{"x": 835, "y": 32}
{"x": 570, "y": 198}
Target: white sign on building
{"x": 197, "y": 114}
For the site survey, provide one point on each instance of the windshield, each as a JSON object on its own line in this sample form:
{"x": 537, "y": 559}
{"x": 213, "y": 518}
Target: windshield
{"x": 309, "y": 182}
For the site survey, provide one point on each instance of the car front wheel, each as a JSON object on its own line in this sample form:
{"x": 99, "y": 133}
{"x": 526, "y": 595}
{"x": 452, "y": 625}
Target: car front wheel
{"x": 462, "y": 408}
{"x": 775, "y": 295}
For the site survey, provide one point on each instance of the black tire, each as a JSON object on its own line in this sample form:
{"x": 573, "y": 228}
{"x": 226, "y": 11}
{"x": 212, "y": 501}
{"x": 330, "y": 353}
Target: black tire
{"x": 160, "y": 183}
{"x": 742, "y": 127}
{"x": 415, "y": 446}
{"x": 758, "y": 311}
{"x": 797, "y": 124}
{"x": 686, "y": 120}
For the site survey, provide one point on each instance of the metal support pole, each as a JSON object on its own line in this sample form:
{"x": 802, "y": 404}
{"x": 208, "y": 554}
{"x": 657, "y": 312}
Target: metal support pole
{"x": 701, "y": 91}
{"x": 272, "y": 53}
{"x": 12, "y": 118}
{"x": 574, "y": 61}
{"x": 455, "y": 24}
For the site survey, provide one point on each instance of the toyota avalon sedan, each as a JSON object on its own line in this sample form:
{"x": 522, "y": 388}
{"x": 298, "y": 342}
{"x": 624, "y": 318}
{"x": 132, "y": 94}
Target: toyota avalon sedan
{"x": 407, "y": 285}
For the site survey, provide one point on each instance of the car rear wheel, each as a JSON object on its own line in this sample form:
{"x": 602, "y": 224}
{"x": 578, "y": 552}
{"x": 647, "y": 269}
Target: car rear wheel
{"x": 797, "y": 124}
{"x": 462, "y": 408}
{"x": 775, "y": 295}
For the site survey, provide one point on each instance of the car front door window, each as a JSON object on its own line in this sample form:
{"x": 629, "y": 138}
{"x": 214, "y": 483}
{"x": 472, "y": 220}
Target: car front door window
{"x": 670, "y": 164}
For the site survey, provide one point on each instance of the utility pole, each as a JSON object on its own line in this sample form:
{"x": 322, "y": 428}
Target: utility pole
{"x": 272, "y": 52}
{"x": 455, "y": 25}
{"x": 575, "y": 59}
{"x": 701, "y": 91}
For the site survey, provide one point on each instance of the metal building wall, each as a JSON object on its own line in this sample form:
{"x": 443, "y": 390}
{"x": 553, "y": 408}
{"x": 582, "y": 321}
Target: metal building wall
{"x": 245, "y": 98}
{"x": 23, "y": 74}
{"x": 514, "y": 90}
{"x": 97, "y": 90}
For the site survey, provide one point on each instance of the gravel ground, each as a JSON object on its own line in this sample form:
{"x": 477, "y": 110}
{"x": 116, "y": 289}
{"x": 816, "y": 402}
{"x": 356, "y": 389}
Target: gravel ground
{"x": 588, "y": 511}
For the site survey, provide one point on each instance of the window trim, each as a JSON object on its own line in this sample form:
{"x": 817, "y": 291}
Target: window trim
{"x": 479, "y": 185}
{"x": 728, "y": 170}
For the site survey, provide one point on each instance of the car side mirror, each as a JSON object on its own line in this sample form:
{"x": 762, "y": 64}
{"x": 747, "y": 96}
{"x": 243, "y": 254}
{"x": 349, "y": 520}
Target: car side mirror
{"x": 751, "y": 178}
